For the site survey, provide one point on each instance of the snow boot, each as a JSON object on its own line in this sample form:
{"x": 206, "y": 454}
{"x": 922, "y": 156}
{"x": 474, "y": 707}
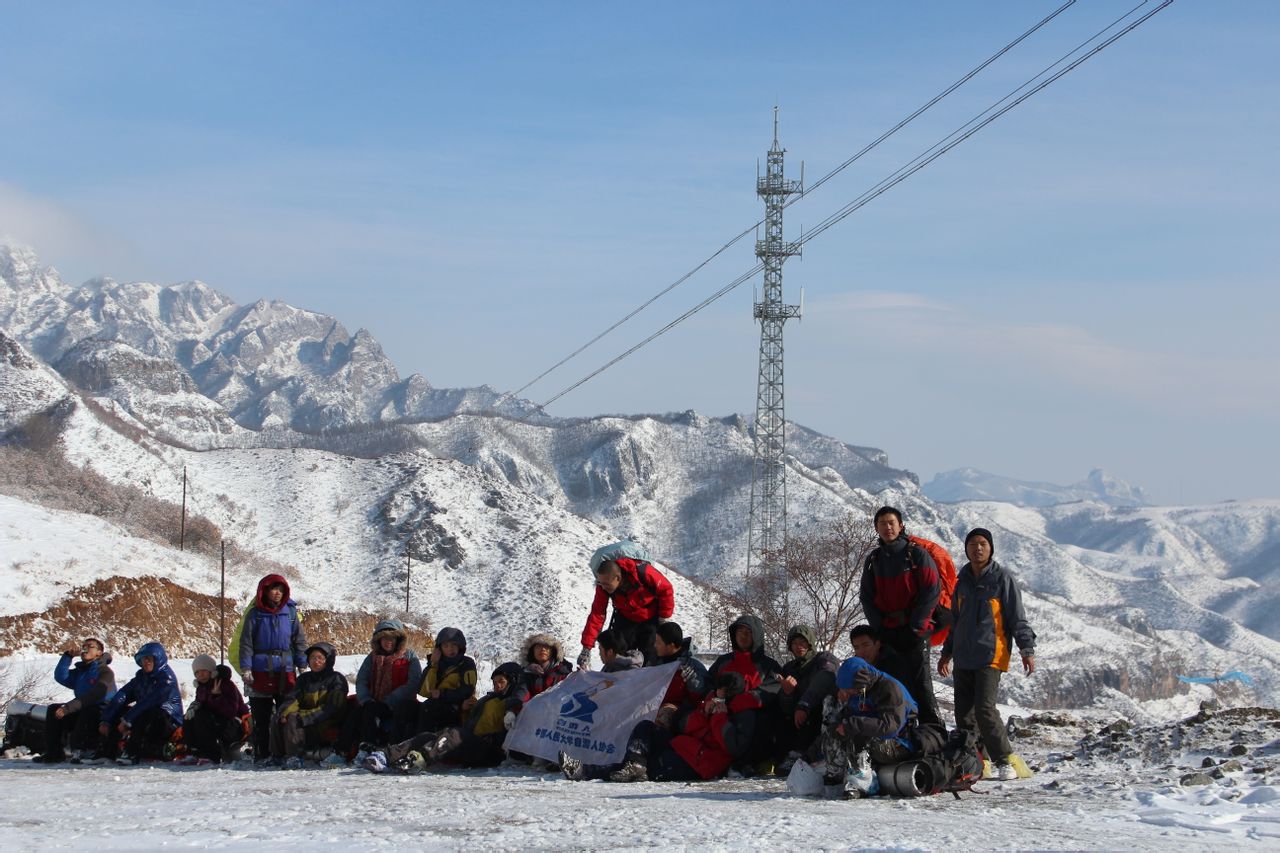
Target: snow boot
{"x": 631, "y": 771}
{"x": 572, "y": 768}
{"x": 414, "y": 762}
{"x": 375, "y": 762}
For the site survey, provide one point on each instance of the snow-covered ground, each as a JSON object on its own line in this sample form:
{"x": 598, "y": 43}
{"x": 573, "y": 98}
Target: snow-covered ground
{"x": 1101, "y": 783}
{"x": 152, "y": 807}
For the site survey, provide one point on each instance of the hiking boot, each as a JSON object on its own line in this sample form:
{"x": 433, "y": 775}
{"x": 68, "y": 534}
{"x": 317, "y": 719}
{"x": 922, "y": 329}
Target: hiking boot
{"x": 375, "y": 762}
{"x": 414, "y": 762}
{"x": 51, "y": 758}
{"x": 632, "y": 771}
{"x": 294, "y": 762}
{"x": 128, "y": 760}
{"x": 271, "y": 762}
{"x": 1004, "y": 772}
{"x": 93, "y": 759}
{"x": 572, "y": 768}
{"x": 333, "y": 761}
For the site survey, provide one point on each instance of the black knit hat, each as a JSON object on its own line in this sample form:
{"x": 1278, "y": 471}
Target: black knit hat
{"x": 984, "y": 533}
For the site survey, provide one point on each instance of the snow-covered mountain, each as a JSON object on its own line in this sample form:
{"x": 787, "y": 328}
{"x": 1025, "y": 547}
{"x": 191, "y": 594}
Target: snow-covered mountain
{"x": 970, "y": 484}
{"x": 291, "y": 447}
{"x": 267, "y": 365}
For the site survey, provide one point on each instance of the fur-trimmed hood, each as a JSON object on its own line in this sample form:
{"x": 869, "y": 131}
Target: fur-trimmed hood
{"x": 557, "y": 651}
{"x": 389, "y": 628}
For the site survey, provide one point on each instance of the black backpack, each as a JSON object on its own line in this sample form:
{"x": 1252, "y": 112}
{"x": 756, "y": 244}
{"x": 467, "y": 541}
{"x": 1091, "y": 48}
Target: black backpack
{"x": 955, "y": 768}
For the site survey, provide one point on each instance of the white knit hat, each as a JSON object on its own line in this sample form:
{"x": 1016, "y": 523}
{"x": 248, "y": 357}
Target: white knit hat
{"x": 204, "y": 662}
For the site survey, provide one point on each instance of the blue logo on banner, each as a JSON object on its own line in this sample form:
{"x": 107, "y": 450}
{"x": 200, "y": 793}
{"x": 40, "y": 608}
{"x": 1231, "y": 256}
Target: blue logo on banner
{"x": 579, "y": 707}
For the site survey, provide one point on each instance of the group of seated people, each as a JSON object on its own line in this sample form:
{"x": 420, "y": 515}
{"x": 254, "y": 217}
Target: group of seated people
{"x": 747, "y": 713}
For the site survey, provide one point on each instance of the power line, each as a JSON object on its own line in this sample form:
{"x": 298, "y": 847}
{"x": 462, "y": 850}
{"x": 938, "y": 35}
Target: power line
{"x": 932, "y": 153}
{"x": 973, "y": 72}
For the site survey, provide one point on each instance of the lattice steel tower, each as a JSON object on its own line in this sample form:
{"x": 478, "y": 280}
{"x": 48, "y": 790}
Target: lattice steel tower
{"x": 768, "y": 525}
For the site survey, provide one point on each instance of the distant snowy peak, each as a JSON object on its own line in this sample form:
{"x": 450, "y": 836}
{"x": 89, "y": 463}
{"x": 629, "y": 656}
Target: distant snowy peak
{"x": 268, "y": 364}
{"x": 970, "y": 484}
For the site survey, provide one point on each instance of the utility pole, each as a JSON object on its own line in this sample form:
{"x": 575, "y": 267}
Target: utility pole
{"x": 408, "y": 561}
{"x": 768, "y": 524}
{"x": 222, "y": 609}
{"x": 182, "y": 529}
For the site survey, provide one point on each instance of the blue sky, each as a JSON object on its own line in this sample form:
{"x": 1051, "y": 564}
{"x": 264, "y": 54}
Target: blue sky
{"x": 1091, "y": 281}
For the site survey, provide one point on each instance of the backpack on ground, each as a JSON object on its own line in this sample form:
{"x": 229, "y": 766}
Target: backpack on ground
{"x": 957, "y": 767}
{"x": 24, "y": 725}
{"x": 947, "y": 587}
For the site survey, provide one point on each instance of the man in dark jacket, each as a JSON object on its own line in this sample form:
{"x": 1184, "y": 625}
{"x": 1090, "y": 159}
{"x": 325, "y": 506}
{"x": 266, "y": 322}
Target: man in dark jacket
{"x": 987, "y": 619}
{"x": 146, "y": 711}
{"x": 807, "y": 679}
{"x": 271, "y": 650}
{"x": 762, "y": 681}
{"x": 93, "y": 684}
{"x": 866, "y": 644}
{"x": 899, "y": 592}
{"x": 688, "y": 686}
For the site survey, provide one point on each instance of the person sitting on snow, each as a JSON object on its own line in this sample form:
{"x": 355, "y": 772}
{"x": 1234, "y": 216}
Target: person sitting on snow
{"x": 867, "y": 645}
{"x": 688, "y": 686}
{"x": 544, "y": 666}
{"x": 614, "y": 656}
{"x": 762, "y": 677}
{"x": 145, "y": 712}
{"x": 807, "y": 680}
{"x": 214, "y": 726}
{"x": 871, "y": 711}
{"x": 450, "y": 680}
{"x": 94, "y": 684}
{"x": 477, "y": 743}
{"x": 641, "y": 598}
{"x": 385, "y": 686}
{"x": 311, "y": 716}
{"x": 711, "y": 738}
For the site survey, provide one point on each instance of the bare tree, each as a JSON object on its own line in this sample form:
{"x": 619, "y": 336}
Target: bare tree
{"x": 824, "y": 571}
{"x": 814, "y": 580}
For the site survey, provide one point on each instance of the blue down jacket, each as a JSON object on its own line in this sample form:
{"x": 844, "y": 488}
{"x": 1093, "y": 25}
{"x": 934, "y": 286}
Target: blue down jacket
{"x": 147, "y": 690}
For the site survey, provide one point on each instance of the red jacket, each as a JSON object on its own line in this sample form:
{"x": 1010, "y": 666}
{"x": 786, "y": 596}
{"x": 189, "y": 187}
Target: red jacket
{"x": 710, "y": 742}
{"x": 644, "y": 595}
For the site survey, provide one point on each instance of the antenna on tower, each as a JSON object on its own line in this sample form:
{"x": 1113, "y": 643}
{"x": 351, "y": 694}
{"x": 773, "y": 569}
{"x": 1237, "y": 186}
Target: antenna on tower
{"x": 768, "y": 523}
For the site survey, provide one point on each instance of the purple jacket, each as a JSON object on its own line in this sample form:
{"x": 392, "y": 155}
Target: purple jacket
{"x": 227, "y": 702}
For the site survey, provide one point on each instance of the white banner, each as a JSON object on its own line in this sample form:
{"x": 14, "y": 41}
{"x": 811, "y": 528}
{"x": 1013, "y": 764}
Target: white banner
{"x": 590, "y": 715}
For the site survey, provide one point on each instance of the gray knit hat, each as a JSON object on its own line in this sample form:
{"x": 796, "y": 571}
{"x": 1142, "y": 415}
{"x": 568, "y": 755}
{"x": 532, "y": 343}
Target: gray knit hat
{"x": 204, "y": 662}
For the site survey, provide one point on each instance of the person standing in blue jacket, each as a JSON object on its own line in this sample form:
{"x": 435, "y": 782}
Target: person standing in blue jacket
{"x": 272, "y": 650}
{"x": 94, "y": 684}
{"x": 146, "y": 711}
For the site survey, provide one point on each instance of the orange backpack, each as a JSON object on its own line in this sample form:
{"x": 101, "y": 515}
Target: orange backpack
{"x": 947, "y": 582}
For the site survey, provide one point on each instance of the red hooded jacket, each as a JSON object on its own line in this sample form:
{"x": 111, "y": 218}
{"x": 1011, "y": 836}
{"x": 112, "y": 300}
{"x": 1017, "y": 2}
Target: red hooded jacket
{"x": 643, "y": 595}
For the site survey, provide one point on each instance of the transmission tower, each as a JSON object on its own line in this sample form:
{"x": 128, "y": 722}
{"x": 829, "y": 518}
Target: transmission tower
{"x": 768, "y": 525}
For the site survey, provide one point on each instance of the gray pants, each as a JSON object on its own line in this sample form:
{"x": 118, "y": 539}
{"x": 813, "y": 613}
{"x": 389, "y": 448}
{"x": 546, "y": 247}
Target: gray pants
{"x": 293, "y": 738}
{"x": 976, "y": 710}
